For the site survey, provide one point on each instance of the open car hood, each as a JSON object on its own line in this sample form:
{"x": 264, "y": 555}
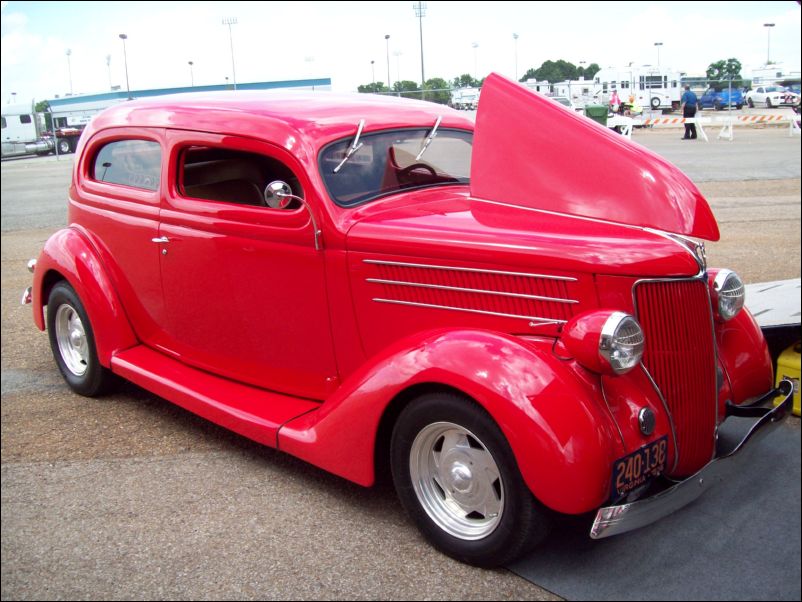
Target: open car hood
{"x": 533, "y": 152}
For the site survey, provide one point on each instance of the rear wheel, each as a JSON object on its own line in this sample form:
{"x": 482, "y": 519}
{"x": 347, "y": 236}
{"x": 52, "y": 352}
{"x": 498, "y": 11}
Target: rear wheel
{"x": 751, "y": 103}
{"x": 64, "y": 146}
{"x": 457, "y": 478}
{"x": 72, "y": 342}
{"x": 655, "y": 103}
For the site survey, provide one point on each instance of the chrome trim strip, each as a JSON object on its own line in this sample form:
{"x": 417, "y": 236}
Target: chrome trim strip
{"x": 668, "y": 413}
{"x": 461, "y": 269}
{"x": 459, "y": 289}
{"x": 613, "y": 520}
{"x": 703, "y": 279}
{"x": 534, "y": 321}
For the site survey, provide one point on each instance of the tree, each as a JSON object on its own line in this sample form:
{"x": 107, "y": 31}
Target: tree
{"x": 465, "y": 80}
{"x": 559, "y": 71}
{"x": 722, "y": 72}
{"x": 440, "y": 90}
{"x": 373, "y": 88}
{"x": 407, "y": 88}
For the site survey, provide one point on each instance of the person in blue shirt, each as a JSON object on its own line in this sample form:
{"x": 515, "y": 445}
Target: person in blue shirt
{"x": 689, "y": 105}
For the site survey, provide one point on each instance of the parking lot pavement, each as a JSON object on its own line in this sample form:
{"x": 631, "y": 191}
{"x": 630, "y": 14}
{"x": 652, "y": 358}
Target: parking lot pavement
{"x": 131, "y": 497}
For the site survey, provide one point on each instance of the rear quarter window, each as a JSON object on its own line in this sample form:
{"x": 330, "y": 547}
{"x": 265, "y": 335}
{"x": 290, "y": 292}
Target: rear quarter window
{"x": 135, "y": 163}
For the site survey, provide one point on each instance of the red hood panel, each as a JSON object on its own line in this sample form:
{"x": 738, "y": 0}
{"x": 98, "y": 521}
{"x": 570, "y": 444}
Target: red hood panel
{"x": 531, "y": 151}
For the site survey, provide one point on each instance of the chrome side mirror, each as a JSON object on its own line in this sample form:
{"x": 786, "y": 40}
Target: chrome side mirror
{"x": 278, "y": 195}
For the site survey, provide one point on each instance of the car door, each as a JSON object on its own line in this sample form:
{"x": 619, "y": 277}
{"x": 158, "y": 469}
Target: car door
{"x": 243, "y": 283}
{"x": 117, "y": 200}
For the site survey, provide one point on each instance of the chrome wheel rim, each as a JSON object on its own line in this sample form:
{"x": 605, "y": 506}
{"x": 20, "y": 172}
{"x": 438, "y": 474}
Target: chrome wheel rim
{"x": 456, "y": 480}
{"x": 71, "y": 339}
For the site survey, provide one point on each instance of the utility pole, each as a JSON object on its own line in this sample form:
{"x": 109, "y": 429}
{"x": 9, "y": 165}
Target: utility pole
{"x": 387, "y": 41}
{"x": 231, "y": 21}
{"x": 124, "y": 37}
{"x": 69, "y": 68}
{"x": 420, "y": 12}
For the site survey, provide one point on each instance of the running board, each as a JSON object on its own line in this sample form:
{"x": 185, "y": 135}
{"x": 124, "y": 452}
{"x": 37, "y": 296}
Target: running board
{"x": 251, "y": 412}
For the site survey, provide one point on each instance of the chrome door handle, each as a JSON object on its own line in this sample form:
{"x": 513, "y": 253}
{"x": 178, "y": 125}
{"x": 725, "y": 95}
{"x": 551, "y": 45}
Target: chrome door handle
{"x": 160, "y": 239}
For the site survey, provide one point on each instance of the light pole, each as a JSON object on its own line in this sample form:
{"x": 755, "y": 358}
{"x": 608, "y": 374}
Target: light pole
{"x": 658, "y": 44}
{"x": 69, "y": 68}
{"x": 387, "y": 42}
{"x": 475, "y": 45}
{"x": 768, "y": 27}
{"x": 191, "y": 75}
{"x": 231, "y": 21}
{"x": 124, "y": 37}
{"x": 515, "y": 37}
{"x": 108, "y": 68}
{"x": 420, "y": 12}
{"x": 373, "y": 76}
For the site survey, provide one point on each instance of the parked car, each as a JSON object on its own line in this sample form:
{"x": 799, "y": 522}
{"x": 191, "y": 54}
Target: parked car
{"x": 771, "y": 96}
{"x": 720, "y": 99}
{"x": 513, "y": 317}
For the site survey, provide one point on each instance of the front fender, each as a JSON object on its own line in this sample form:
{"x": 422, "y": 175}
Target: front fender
{"x": 68, "y": 255}
{"x": 745, "y": 356}
{"x": 550, "y": 411}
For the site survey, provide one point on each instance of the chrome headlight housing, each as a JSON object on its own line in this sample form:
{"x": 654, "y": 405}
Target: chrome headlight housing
{"x": 607, "y": 342}
{"x": 621, "y": 342}
{"x": 727, "y": 292}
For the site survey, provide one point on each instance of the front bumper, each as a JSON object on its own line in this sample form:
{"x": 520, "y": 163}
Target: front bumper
{"x": 612, "y": 520}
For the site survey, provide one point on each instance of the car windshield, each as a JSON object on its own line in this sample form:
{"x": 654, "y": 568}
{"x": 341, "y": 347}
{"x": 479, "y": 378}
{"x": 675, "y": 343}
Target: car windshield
{"x": 390, "y": 161}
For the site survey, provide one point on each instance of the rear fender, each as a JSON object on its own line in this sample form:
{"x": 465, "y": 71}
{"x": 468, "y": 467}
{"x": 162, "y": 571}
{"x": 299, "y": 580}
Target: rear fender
{"x": 553, "y": 417}
{"x": 68, "y": 255}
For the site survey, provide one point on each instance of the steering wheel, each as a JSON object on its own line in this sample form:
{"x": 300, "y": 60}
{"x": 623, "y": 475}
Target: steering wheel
{"x": 410, "y": 168}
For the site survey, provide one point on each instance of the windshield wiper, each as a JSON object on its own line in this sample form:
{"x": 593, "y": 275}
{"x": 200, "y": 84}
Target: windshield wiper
{"x": 355, "y": 146}
{"x": 429, "y": 138}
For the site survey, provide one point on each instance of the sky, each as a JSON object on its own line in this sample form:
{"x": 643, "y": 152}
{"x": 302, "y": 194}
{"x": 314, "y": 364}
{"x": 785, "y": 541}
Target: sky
{"x": 299, "y": 40}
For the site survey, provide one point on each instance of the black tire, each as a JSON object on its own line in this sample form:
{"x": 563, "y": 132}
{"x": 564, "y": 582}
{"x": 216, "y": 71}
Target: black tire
{"x": 739, "y": 107}
{"x": 655, "y": 102}
{"x": 486, "y": 540}
{"x": 768, "y": 104}
{"x": 64, "y": 146}
{"x": 72, "y": 342}
{"x": 717, "y": 106}
{"x": 751, "y": 103}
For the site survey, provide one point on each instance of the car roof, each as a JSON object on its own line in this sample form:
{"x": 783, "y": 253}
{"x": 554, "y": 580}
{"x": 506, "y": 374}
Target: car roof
{"x": 320, "y": 115}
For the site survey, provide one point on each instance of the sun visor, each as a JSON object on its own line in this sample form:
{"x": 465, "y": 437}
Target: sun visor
{"x": 531, "y": 151}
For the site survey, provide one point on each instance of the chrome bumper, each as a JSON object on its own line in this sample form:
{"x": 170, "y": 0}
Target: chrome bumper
{"x": 612, "y": 520}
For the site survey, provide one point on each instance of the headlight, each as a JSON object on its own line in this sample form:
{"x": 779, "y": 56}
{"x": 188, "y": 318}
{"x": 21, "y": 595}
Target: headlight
{"x": 727, "y": 293}
{"x": 604, "y": 341}
{"x": 621, "y": 342}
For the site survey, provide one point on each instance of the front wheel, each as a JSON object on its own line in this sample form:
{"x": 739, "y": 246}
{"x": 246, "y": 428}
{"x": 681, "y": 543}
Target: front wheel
{"x": 64, "y": 146}
{"x": 751, "y": 103}
{"x": 769, "y": 105}
{"x": 457, "y": 478}
{"x": 72, "y": 342}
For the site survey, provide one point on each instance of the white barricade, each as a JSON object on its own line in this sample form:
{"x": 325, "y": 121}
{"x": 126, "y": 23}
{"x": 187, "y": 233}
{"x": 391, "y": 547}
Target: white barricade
{"x": 726, "y": 122}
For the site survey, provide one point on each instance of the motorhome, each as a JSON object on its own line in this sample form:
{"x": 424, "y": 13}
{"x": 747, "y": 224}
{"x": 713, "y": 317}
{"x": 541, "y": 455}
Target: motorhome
{"x": 654, "y": 87}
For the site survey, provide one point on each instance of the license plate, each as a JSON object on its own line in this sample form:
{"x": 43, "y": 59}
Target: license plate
{"x": 633, "y": 470}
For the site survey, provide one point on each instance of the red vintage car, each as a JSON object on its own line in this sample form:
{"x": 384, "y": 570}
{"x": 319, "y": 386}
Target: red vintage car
{"x": 514, "y": 317}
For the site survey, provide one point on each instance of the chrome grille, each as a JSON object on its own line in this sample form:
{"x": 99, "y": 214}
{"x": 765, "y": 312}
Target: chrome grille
{"x": 680, "y": 355}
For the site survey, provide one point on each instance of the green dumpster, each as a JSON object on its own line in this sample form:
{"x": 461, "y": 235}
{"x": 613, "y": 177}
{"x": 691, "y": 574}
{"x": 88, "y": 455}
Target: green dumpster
{"x": 597, "y": 113}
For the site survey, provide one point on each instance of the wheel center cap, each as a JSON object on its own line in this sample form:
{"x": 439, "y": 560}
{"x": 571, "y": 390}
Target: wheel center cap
{"x": 461, "y": 477}
{"x": 76, "y": 338}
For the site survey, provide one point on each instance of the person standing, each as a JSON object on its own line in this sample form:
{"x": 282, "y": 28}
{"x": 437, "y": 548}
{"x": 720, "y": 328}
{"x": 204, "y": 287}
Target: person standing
{"x": 689, "y": 106}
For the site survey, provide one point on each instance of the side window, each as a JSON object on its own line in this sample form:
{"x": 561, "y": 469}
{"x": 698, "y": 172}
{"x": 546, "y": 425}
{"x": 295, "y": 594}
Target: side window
{"x": 4, "y": 123}
{"x": 135, "y": 163}
{"x": 24, "y": 118}
{"x": 231, "y": 176}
